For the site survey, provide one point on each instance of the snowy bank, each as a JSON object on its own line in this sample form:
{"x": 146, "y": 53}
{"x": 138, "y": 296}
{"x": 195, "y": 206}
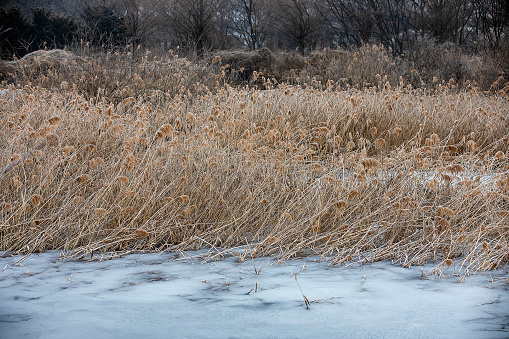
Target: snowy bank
{"x": 178, "y": 296}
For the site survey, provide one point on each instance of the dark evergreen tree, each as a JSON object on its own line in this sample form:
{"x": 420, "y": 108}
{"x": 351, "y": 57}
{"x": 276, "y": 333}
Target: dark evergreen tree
{"x": 52, "y": 31}
{"x": 104, "y": 27}
{"x": 16, "y": 33}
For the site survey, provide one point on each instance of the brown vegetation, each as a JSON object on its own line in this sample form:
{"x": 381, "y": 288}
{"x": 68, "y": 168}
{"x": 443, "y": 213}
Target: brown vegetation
{"x": 162, "y": 161}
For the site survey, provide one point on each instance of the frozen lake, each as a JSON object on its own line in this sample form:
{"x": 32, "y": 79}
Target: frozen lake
{"x": 169, "y": 296}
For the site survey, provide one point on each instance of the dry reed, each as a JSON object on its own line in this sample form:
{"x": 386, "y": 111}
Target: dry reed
{"x": 375, "y": 174}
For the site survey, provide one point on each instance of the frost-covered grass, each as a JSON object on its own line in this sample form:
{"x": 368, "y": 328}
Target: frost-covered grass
{"x": 410, "y": 175}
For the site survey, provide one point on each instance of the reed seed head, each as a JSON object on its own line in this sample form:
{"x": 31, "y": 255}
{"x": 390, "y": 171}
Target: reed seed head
{"x": 352, "y": 194}
{"x": 54, "y": 120}
{"x": 471, "y": 145}
{"x": 340, "y": 204}
{"x": 435, "y": 139}
{"x": 52, "y": 139}
{"x": 183, "y": 199}
{"x": 379, "y": 143}
{"x": 287, "y": 216}
{"x": 16, "y": 182}
{"x": 164, "y": 131}
{"x": 78, "y": 200}
{"x": 455, "y": 169}
{"x": 452, "y": 149}
{"x": 83, "y": 178}
{"x": 122, "y": 179}
{"x": 445, "y": 211}
{"x": 370, "y": 163}
{"x": 141, "y": 233}
{"x": 36, "y": 200}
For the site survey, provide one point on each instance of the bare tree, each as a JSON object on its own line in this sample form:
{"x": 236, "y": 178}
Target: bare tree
{"x": 195, "y": 23}
{"x": 249, "y": 21}
{"x": 351, "y": 20}
{"x": 443, "y": 20}
{"x": 393, "y": 23}
{"x": 492, "y": 20}
{"x": 299, "y": 21}
{"x": 139, "y": 18}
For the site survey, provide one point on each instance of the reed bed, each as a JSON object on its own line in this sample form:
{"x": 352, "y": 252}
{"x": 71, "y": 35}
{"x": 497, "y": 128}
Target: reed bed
{"x": 382, "y": 173}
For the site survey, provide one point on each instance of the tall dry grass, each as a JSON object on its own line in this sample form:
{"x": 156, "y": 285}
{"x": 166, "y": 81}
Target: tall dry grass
{"x": 427, "y": 66}
{"x": 113, "y": 75}
{"x": 383, "y": 173}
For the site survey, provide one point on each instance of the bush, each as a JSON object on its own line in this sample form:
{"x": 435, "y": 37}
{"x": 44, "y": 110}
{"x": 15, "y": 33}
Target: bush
{"x": 271, "y": 65}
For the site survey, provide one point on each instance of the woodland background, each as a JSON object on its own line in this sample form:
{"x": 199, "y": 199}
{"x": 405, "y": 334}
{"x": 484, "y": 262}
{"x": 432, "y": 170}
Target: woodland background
{"x": 201, "y": 26}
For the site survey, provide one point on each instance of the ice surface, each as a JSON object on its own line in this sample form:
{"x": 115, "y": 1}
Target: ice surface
{"x": 156, "y": 296}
